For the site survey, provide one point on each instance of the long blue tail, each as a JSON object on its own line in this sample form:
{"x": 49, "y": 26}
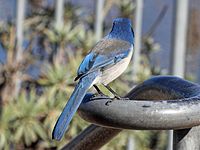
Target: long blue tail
{"x": 72, "y": 105}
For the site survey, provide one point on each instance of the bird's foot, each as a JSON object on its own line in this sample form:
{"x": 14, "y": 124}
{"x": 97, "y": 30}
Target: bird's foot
{"x": 117, "y": 97}
{"x": 98, "y": 96}
{"x": 124, "y": 98}
{"x": 103, "y": 96}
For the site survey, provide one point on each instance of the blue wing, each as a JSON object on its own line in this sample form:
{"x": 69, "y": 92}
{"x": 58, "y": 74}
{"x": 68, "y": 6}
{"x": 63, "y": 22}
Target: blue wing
{"x": 105, "y": 53}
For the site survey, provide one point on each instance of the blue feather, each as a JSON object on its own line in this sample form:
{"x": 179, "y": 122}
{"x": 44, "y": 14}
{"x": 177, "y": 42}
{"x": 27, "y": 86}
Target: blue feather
{"x": 72, "y": 105}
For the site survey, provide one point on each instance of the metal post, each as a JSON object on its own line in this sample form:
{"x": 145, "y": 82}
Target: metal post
{"x": 59, "y": 13}
{"x": 19, "y": 39}
{"x": 177, "y": 66}
{"x": 187, "y": 139}
{"x": 170, "y": 140}
{"x": 138, "y": 35}
{"x": 131, "y": 143}
{"x": 99, "y": 19}
{"x": 19, "y": 24}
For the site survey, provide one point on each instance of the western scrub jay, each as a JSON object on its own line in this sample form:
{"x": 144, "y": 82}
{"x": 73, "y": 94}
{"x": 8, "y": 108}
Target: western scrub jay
{"x": 107, "y": 60}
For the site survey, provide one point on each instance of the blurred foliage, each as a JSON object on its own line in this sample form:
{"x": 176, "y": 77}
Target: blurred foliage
{"x": 27, "y": 118}
{"x": 126, "y": 8}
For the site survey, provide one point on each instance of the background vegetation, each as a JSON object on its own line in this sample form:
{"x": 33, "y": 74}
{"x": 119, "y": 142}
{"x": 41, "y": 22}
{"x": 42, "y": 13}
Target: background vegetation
{"x": 34, "y": 90}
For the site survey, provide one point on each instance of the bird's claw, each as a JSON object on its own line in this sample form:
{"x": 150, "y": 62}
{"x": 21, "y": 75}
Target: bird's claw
{"x": 102, "y": 96}
{"x": 120, "y": 98}
{"x": 99, "y": 96}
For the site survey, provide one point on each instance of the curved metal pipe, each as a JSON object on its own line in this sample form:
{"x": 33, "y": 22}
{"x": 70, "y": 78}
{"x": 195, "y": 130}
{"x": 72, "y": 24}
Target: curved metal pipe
{"x": 161, "y": 87}
{"x": 92, "y": 138}
{"x": 147, "y": 114}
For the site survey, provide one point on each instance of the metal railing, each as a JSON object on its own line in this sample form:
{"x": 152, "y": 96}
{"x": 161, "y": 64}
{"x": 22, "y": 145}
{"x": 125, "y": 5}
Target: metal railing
{"x": 160, "y": 103}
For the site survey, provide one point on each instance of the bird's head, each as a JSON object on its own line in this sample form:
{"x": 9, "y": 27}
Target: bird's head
{"x": 122, "y": 30}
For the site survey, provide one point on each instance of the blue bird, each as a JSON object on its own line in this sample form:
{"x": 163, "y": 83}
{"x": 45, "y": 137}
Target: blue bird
{"x": 105, "y": 62}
